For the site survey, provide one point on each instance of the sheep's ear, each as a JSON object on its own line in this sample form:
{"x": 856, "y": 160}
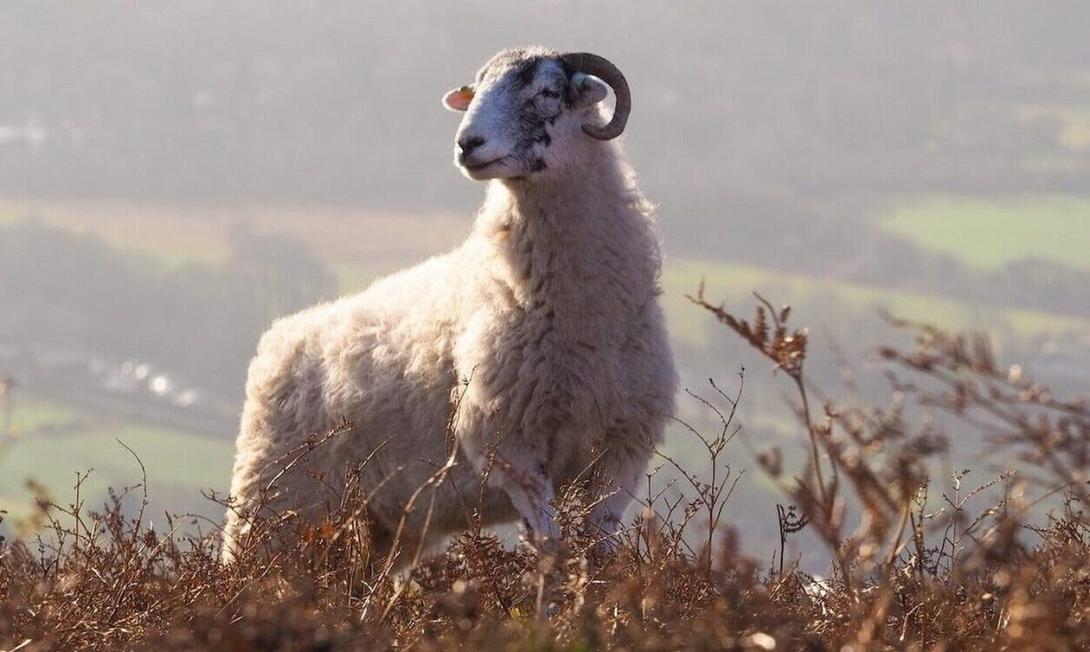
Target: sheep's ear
{"x": 459, "y": 98}
{"x": 586, "y": 90}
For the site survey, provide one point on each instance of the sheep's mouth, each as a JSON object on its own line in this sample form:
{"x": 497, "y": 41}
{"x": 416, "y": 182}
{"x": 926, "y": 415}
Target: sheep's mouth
{"x": 477, "y": 167}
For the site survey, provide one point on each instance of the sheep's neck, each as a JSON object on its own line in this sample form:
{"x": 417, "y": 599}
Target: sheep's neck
{"x": 568, "y": 247}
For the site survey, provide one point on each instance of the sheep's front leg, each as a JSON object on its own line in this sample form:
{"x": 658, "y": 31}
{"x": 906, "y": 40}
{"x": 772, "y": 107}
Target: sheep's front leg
{"x": 531, "y": 493}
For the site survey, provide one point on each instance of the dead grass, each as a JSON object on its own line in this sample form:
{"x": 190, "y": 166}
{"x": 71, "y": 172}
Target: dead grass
{"x": 913, "y": 566}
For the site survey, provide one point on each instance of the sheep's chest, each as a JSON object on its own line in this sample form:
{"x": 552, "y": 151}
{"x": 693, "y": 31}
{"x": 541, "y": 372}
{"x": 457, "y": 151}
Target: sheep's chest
{"x": 540, "y": 377}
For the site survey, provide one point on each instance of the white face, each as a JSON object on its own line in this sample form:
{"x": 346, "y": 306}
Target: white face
{"x": 521, "y": 115}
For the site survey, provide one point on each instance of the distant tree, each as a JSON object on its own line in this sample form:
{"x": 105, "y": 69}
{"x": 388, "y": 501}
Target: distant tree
{"x": 73, "y": 292}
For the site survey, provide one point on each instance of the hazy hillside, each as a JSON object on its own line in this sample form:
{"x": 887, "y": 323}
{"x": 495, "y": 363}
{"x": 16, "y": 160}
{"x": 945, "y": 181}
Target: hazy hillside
{"x": 773, "y": 109}
{"x": 228, "y": 162}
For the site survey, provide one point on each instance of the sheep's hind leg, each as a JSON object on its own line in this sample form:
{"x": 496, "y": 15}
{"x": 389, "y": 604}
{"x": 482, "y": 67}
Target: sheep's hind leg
{"x": 531, "y": 493}
{"x": 605, "y": 524}
{"x": 615, "y": 483}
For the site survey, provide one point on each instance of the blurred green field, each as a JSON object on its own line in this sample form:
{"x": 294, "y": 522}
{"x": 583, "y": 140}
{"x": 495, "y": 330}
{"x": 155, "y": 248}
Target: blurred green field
{"x": 1072, "y": 120}
{"x": 734, "y": 284}
{"x": 58, "y": 440}
{"x": 32, "y": 413}
{"x": 53, "y": 441}
{"x": 987, "y": 234}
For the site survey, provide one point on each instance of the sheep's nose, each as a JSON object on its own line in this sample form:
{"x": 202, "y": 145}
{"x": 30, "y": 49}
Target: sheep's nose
{"x": 466, "y": 145}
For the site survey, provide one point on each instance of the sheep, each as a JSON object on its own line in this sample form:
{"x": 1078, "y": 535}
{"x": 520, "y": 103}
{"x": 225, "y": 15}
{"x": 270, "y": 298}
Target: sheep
{"x": 538, "y": 346}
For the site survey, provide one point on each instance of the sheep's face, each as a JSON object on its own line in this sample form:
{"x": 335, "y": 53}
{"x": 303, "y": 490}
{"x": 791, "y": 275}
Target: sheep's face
{"x": 523, "y": 115}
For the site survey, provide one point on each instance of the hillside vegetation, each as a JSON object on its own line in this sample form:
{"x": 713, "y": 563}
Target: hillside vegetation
{"x": 916, "y": 560}
{"x": 244, "y": 266}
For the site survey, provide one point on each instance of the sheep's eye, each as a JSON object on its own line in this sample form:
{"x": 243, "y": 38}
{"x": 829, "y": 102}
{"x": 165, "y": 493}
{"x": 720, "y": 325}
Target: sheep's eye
{"x": 548, "y": 92}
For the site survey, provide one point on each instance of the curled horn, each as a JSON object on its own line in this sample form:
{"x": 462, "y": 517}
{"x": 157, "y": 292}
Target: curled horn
{"x": 592, "y": 64}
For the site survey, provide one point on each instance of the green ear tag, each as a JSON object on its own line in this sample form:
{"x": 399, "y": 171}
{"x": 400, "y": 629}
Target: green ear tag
{"x": 578, "y": 79}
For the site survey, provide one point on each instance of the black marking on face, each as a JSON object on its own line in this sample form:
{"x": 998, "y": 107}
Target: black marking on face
{"x": 532, "y": 124}
{"x": 533, "y": 138}
{"x": 568, "y": 71}
{"x": 525, "y": 72}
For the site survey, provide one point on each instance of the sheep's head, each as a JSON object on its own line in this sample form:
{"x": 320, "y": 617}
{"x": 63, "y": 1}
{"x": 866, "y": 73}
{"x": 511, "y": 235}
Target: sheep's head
{"x": 529, "y": 106}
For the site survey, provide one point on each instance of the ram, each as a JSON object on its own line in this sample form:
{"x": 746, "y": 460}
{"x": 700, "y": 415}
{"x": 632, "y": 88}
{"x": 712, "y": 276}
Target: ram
{"x": 538, "y": 346}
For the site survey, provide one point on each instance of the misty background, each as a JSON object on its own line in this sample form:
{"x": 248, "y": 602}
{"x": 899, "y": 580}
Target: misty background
{"x": 173, "y": 176}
